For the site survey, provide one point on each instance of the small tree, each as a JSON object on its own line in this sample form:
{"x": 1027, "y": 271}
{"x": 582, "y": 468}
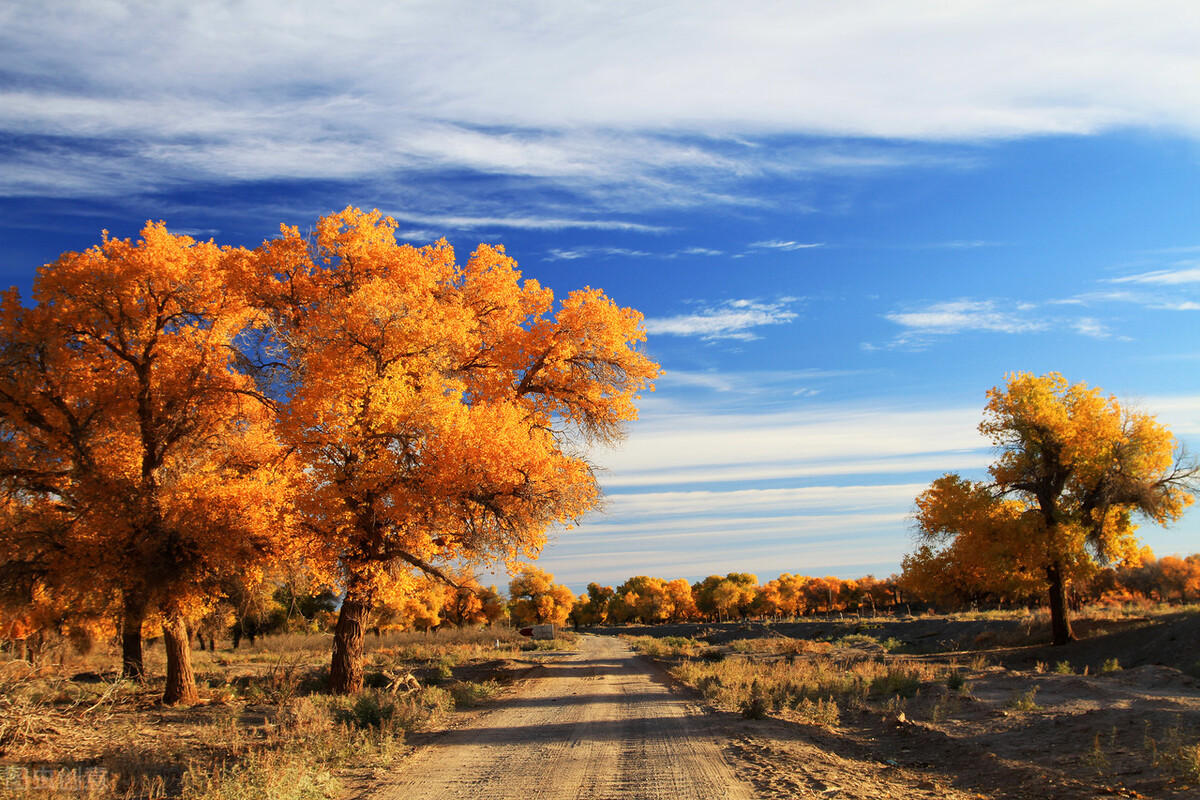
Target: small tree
{"x": 534, "y": 598}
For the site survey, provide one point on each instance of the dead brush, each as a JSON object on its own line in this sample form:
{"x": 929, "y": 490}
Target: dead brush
{"x": 280, "y": 683}
{"x": 814, "y": 686}
{"x": 24, "y": 705}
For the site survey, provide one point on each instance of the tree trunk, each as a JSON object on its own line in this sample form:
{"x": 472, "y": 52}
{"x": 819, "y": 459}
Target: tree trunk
{"x": 134, "y": 614}
{"x": 181, "y": 680}
{"x": 346, "y": 669}
{"x": 1060, "y": 620}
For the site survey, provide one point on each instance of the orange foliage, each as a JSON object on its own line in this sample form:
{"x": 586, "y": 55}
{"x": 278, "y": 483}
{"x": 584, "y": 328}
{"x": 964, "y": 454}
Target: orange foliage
{"x": 430, "y": 403}
{"x": 137, "y": 460}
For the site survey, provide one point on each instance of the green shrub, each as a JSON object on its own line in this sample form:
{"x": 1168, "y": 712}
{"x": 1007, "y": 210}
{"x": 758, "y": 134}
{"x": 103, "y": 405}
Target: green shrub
{"x": 756, "y": 704}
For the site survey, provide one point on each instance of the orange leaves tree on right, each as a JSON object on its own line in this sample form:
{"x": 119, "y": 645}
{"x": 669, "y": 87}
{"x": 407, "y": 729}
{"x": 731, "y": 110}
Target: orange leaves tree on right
{"x": 1074, "y": 469}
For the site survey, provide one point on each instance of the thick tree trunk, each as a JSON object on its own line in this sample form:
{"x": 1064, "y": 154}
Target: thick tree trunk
{"x": 1060, "y": 620}
{"x": 181, "y": 680}
{"x": 346, "y": 669}
{"x": 134, "y": 614}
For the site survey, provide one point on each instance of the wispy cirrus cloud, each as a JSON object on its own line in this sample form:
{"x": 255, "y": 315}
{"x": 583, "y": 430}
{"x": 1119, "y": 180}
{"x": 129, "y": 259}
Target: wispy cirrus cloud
{"x": 729, "y": 319}
{"x": 560, "y": 254}
{"x": 923, "y": 324}
{"x": 599, "y": 251}
{"x": 1164, "y": 277}
{"x": 786, "y": 246}
{"x": 1089, "y": 326}
{"x": 960, "y": 316}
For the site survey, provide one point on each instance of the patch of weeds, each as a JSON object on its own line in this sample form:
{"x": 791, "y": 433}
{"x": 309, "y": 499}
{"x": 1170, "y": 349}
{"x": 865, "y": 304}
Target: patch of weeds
{"x": 279, "y": 685}
{"x": 945, "y": 707}
{"x": 1110, "y": 665}
{"x": 1178, "y": 753}
{"x": 1064, "y": 668}
{"x": 892, "y": 644}
{"x": 1096, "y": 759}
{"x": 860, "y": 641}
{"x": 665, "y": 647}
{"x": 1023, "y": 702}
{"x": 824, "y": 711}
{"x": 271, "y": 775}
{"x": 957, "y": 683}
{"x": 469, "y": 694}
{"x": 442, "y": 672}
{"x": 896, "y": 681}
{"x": 379, "y": 710}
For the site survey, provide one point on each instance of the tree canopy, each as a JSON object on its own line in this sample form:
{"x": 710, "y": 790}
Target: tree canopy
{"x": 1074, "y": 469}
{"x": 436, "y": 409}
{"x": 176, "y": 417}
{"x": 139, "y": 466}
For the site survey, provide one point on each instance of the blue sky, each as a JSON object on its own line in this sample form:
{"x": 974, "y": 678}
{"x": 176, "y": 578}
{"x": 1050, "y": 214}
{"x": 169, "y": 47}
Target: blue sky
{"x": 843, "y": 222}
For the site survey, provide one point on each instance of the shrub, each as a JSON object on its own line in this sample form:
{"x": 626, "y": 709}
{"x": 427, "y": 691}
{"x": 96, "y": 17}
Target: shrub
{"x": 468, "y": 694}
{"x": 756, "y": 704}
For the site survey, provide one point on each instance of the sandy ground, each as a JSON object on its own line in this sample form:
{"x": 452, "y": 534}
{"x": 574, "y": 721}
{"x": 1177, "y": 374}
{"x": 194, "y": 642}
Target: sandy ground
{"x": 598, "y": 723}
{"x": 602, "y": 723}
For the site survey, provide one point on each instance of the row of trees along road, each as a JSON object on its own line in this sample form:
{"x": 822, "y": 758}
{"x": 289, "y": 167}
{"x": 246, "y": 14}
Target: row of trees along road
{"x": 1074, "y": 468}
{"x": 173, "y": 413}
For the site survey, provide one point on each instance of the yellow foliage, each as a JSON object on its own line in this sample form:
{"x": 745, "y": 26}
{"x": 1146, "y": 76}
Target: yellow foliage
{"x": 1074, "y": 468}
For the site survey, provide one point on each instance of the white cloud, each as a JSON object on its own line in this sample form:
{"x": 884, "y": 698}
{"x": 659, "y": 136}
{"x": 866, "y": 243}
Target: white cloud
{"x": 528, "y": 222}
{"x": 731, "y": 319}
{"x": 558, "y": 254}
{"x": 1088, "y": 326}
{"x": 779, "y": 244}
{"x": 1164, "y": 277}
{"x": 958, "y": 316}
{"x": 669, "y": 102}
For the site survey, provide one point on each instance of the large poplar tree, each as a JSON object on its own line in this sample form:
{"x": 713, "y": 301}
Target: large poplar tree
{"x": 137, "y": 465}
{"x": 1074, "y": 469}
{"x": 439, "y": 410}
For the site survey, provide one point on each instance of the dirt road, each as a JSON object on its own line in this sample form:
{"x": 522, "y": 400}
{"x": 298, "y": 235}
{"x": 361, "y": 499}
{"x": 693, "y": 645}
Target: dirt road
{"x": 593, "y": 724}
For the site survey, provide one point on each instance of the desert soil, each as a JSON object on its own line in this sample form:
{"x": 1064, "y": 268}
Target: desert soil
{"x": 604, "y": 723}
{"x": 597, "y": 723}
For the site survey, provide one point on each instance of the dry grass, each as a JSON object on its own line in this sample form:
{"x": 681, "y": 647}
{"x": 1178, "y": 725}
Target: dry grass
{"x": 812, "y": 688}
{"x": 264, "y": 729}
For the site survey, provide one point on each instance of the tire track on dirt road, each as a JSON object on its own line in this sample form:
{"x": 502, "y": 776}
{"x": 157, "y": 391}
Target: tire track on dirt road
{"x": 594, "y": 725}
